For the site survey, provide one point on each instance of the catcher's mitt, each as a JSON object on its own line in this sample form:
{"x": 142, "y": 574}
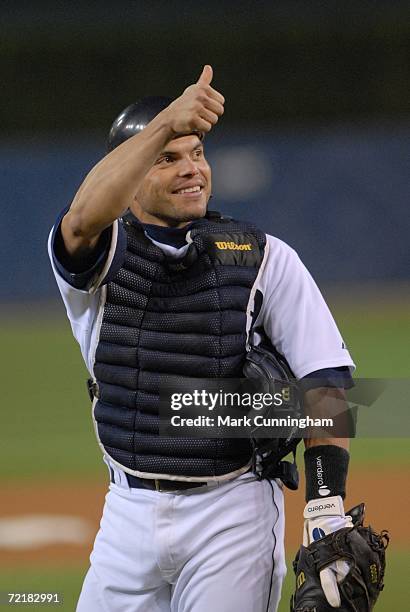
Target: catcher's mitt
{"x": 362, "y": 548}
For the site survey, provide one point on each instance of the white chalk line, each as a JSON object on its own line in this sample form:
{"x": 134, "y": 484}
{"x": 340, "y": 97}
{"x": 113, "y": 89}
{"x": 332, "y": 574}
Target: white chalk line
{"x": 36, "y": 530}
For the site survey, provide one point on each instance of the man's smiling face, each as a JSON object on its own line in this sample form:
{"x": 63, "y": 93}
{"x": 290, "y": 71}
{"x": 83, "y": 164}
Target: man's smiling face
{"x": 177, "y": 188}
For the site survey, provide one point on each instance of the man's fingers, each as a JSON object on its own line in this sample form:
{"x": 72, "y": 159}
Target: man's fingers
{"x": 329, "y": 585}
{"x": 200, "y": 105}
{"x": 209, "y": 116}
{"x": 216, "y": 95}
{"x": 205, "y": 81}
{"x": 214, "y": 106}
{"x": 202, "y": 125}
{"x": 330, "y": 576}
{"x": 206, "y": 75}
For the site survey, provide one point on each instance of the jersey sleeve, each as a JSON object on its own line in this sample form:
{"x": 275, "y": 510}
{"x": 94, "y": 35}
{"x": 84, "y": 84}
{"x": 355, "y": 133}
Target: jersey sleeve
{"x": 295, "y": 316}
{"x": 95, "y": 269}
{"x": 80, "y": 287}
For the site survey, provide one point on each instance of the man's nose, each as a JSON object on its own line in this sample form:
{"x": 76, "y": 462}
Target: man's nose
{"x": 187, "y": 166}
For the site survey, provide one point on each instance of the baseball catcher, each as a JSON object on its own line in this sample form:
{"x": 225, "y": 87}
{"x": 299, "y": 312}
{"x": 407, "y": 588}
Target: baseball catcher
{"x": 161, "y": 290}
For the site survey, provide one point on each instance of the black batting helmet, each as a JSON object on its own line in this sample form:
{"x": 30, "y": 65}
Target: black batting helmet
{"x": 134, "y": 118}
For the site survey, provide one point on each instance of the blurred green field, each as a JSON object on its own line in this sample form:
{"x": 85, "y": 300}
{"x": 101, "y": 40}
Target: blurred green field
{"x": 68, "y": 582}
{"x": 47, "y": 430}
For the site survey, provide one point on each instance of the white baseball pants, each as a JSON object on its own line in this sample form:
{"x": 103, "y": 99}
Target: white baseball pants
{"x": 216, "y": 548}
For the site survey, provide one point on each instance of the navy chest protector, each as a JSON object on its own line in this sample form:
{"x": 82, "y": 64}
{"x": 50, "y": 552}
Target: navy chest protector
{"x": 166, "y": 321}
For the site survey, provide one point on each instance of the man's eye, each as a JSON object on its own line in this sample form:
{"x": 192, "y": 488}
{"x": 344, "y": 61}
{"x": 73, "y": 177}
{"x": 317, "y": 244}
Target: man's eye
{"x": 167, "y": 159}
{"x": 198, "y": 153}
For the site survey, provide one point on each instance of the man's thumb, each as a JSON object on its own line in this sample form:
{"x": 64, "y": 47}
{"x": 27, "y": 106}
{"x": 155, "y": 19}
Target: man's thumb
{"x": 206, "y": 75}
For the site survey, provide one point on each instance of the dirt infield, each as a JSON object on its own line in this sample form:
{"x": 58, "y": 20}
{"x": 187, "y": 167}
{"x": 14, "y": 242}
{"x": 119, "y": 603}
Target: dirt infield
{"x": 386, "y": 494}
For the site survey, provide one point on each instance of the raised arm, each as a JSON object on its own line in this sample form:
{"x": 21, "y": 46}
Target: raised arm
{"x": 110, "y": 186}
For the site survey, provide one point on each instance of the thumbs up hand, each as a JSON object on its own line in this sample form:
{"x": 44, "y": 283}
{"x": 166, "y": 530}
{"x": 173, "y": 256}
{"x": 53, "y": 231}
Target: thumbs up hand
{"x": 198, "y": 108}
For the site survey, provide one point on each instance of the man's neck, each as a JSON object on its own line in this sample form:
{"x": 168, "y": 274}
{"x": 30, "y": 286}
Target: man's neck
{"x": 173, "y": 236}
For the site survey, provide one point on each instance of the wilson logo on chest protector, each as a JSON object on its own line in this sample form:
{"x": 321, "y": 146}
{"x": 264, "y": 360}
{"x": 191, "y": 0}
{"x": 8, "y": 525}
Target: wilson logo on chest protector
{"x": 233, "y": 246}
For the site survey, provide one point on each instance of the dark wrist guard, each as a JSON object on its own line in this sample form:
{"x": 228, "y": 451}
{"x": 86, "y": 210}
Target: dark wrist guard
{"x": 326, "y": 471}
